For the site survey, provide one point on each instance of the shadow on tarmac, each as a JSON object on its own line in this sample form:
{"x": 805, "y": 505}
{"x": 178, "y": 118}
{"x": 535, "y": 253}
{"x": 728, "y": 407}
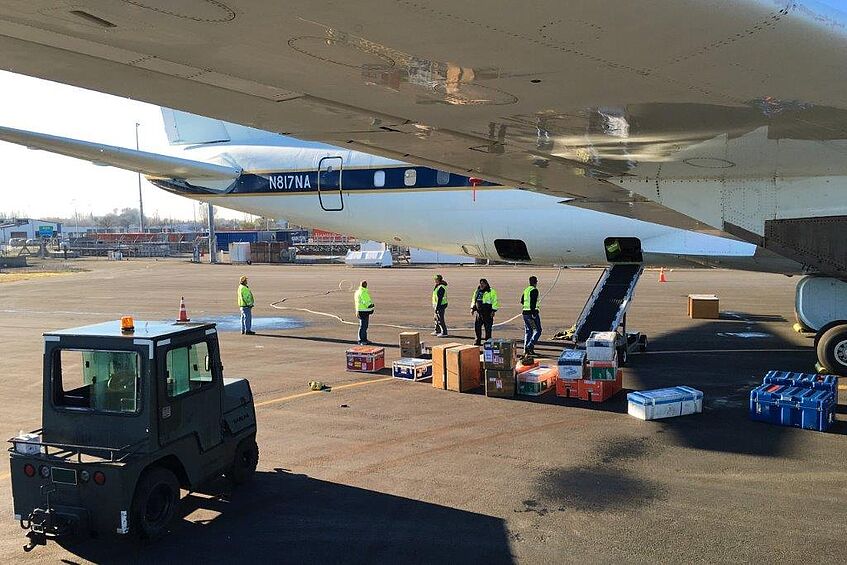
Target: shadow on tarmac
{"x": 292, "y": 518}
{"x": 729, "y": 367}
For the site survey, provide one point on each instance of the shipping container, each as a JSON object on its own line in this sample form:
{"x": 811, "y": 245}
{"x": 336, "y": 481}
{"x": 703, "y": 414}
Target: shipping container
{"x": 365, "y": 359}
{"x": 664, "y": 403}
{"x": 788, "y": 405}
{"x": 412, "y": 369}
{"x": 572, "y": 364}
{"x": 537, "y": 381}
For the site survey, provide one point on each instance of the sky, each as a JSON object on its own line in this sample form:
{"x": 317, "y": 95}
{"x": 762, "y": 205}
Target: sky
{"x": 38, "y": 184}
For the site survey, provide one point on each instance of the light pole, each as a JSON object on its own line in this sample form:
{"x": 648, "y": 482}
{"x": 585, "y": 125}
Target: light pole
{"x": 140, "y": 200}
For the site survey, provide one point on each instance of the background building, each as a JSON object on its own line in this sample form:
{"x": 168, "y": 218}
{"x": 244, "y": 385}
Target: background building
{"x": 27, "y": 228}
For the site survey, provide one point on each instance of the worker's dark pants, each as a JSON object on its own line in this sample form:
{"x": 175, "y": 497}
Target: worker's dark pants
{"x": 532, "y": 325}
{"x": 440, "y": 322}
{"x": 364, "y": 319}
{"x": 483, "y": 320}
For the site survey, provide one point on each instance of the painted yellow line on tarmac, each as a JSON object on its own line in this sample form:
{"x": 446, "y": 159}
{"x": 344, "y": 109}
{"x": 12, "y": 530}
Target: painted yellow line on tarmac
{"x": 5, "y": 476}
{"x": 312, "y": 392}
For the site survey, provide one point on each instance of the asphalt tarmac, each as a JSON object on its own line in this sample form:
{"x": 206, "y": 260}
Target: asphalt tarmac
{"x": 381, "y": 470}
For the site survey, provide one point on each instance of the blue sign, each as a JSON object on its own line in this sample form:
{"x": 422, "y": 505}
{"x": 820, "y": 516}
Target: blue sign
{"x": 45, "y": 231}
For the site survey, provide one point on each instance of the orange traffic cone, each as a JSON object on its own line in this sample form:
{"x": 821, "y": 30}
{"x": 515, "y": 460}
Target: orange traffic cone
{"x": 183, "y": 313}
{"x": 662, "y": 277}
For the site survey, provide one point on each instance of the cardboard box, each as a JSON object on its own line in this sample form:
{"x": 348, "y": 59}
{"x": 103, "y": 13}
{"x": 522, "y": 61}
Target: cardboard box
{"x": 500, "y": 383}
{"x": 366, "y": 359}
{"x": 602, "y": 370}
{"x": 601, "y": 346}
{"x": 537, "y": 381}
{"x": 463, "y": 368}
{"x": 410, "y": 344}
{"x": 412, "y": 369}
{"x": 704, "y": 306}
{"x": 500, "y": 354}
{"x": 439, "y": 364}
{"x": 572, "y": 364}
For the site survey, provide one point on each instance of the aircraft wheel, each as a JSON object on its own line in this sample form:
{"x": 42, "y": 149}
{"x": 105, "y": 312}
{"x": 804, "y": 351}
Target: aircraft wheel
{"x": 832, "y": 350}
{"x": 246, "y": 459}
{"x": 154, "y": 503}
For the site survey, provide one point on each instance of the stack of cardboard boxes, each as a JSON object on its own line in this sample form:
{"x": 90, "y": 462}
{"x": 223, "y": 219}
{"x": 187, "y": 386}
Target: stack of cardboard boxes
{"x": 500, "y": 358}
{"x": 603, "y": 378}
{"x": 572, "y": 369}
{"x": 410, "y": 366}
{"x": 591, "y": 374}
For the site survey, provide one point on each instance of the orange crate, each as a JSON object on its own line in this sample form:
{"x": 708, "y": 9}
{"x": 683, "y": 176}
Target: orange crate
{"x": 567, "y": 388}
{"x": 600, "y": 391}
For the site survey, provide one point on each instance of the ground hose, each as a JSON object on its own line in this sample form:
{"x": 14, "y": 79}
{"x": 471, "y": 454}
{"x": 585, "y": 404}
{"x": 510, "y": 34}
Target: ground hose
{"x": 347, "y": 286}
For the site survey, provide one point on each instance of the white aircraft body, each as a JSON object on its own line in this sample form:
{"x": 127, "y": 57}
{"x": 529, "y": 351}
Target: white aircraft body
{"x": 332, "y": 188}
{"x": 699, "y": 114}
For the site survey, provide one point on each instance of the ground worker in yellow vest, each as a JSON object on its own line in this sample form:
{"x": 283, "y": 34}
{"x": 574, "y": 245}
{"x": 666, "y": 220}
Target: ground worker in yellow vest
{"x": 484, "y": 304}
{"x": 531, "y": 300}
{"x": 439, "y": 306}
{"x": 245, "y": 303}
{"x": 364, "y": 309}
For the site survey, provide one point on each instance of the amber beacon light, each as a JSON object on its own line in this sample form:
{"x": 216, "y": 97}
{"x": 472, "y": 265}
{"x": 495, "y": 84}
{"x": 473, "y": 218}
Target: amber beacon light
{"x": 127, "y": 324}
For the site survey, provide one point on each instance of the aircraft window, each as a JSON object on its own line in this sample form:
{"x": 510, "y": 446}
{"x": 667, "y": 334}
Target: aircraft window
{"x": 442, "y": 177}
{"x": 410, "y": 177}
{"x": 379, "y": 179}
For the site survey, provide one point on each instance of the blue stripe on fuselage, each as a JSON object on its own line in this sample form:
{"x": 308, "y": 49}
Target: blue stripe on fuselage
{"x": 351, "y": 179}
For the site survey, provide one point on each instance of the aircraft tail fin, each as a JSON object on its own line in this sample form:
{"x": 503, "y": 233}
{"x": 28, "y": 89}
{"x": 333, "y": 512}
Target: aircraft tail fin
{"x": 183, "y": 128}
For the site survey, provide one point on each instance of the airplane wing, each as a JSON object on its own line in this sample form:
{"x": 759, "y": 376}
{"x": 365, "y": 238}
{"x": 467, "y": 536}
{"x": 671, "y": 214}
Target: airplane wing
{"x": 733, "y": 114}
{"x": 152, "y": 165}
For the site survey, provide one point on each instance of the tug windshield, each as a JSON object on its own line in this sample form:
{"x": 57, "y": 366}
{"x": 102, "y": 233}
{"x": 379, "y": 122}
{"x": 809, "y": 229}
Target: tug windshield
{"x": 103, "y": 381}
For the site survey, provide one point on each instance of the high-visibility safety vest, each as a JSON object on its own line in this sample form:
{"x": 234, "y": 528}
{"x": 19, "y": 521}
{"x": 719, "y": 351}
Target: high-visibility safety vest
{"x": 245, "y": 296}
{"x": 527, "y": 300}
{"x": 488, "y": 297}
{"x": 435, "y": 295}
{"x": 363, "y": 301}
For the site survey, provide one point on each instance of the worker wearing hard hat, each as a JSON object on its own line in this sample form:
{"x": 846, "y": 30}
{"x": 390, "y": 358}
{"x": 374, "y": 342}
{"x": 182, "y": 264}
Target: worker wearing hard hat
{"x": 364, "y": 309}
{"x": 439, "y": 305}
{"x": 484, "y": 304}
{"x": 245, "y": 303}
{"x": 530, "y": 300}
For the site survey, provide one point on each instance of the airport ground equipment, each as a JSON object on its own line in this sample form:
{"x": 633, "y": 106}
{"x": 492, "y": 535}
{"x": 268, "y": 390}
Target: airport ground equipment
{"x": 130, "y": 415}
{"x": 606, "y": 307}
{"x": 821, "y": 307}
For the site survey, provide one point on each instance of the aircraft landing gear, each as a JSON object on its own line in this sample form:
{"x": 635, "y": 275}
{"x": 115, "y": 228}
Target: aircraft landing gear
{"x": 821, "y": 305}
{"x": 832, "y": 349}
